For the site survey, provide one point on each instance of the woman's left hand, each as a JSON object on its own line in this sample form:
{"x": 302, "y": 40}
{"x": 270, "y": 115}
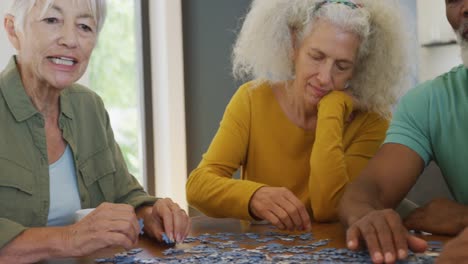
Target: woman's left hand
{"x": 165, "y": 216}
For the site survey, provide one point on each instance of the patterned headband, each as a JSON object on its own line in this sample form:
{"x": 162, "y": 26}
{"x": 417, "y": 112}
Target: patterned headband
{"x": 344, "y": 2}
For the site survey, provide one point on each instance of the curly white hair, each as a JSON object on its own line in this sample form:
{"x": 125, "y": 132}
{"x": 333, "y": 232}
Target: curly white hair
{"x": 264, "y": 47}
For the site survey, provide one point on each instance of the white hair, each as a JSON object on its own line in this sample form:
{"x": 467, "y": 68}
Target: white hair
{"x": 21, "y": 8}
{"x": 264, "y": 47}
{"x": 463, "y": 44}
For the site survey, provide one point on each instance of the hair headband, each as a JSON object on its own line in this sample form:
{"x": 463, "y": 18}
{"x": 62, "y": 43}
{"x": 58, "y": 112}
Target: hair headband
{"x": 344, "y": 2}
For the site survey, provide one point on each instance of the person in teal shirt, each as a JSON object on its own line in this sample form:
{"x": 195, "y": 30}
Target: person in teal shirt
{"x": 430, "y": 124}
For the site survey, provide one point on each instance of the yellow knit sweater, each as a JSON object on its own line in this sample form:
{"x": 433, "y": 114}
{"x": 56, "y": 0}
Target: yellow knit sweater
{"x": 256, "y": 136}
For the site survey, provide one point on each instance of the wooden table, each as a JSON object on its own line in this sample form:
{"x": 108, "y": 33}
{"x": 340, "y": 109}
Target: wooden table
{"x": 203, "y": 224}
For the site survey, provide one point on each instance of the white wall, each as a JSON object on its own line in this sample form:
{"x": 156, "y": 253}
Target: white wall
{"x": 6, "y": 49}
{"x": 168, "y": 99}
{"x": 433, "y": 27}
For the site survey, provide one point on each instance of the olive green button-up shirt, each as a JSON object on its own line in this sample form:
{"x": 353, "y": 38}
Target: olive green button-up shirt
{"x": 24, "y": 170}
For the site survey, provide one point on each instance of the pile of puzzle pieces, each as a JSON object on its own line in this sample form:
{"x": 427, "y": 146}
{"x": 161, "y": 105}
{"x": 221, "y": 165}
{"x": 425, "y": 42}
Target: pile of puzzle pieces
{"x": 260, "y": 248}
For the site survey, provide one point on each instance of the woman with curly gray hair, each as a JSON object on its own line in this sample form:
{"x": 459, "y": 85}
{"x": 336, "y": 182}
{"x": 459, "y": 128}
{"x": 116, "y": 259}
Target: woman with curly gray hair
{"x": 326, "y": 76}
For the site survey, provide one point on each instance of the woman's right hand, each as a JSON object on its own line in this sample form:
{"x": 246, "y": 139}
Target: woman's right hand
{"x": 280, "y": 207}
{"x": 108, "y": 225}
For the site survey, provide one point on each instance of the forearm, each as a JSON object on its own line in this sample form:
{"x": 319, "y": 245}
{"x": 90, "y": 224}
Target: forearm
{"x": 328, "y": 170}
{"x": 328, "y": 176}
{"x": 218, "y": 196}
{"x": 36, "y": 244}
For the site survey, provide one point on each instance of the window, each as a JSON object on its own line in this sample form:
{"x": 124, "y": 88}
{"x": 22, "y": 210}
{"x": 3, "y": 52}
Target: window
{"x": 114, "y": 73}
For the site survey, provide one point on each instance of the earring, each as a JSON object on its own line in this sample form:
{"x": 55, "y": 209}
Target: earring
{"x": 346, "y": 86}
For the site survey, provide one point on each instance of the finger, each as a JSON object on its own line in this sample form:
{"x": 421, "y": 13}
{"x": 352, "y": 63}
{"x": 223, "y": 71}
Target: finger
{"x": 385, "y": 236}
{"x": 369, "y": 234}
{"x": 400, "y": 238}
{"x": 292, "y": 211}
{"x": 165, "y": 214}
{"x": 283, "y": 216}
{"x": 135, "y": 225}
{"x": 188, "y": 228}
{"x": 303, "y": 215}
{"x": 116, "y": 239}
{"x": 124, "y": 227}
{"x": 273, "y": 219}
{"x": 180, "y": 224}
{"x": 353, "y": 235}
{"x": 155, "y": 229}
{"x": 416, "y": 244}
{"x": 178, "y": 220}
{"x": 128, "y": 217}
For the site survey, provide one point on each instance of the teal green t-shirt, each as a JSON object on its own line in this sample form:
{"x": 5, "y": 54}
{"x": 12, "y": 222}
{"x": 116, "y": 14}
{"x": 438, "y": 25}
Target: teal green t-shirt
{"x": 432, "y": 120}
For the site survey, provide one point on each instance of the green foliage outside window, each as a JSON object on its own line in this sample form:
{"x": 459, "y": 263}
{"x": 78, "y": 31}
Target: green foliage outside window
{"x": 113, "y": 75}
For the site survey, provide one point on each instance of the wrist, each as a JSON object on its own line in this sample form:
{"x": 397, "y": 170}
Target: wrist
{"x": 251, "y": 210}
{"x": 144, "y": 211}
{"x": 62, "y": 244}
{"x": 357, "y": 214}
{"x": 56, "y": 242}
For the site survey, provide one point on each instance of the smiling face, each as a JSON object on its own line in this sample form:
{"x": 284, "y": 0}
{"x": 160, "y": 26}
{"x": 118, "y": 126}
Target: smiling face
{"x": 324, "y": 62}
{"x": 55, "y": 47}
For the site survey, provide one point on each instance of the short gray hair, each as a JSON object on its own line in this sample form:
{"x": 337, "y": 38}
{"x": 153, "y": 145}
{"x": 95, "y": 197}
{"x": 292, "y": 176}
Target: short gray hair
{"x": 21, "y": 8}
{"x": 264, "y": 47}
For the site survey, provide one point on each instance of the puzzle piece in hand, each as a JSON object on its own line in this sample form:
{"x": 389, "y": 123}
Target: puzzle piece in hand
{"x": 167, "y": 240}
{"x": 433, "y": 249}
{"x": 140, "y": 221}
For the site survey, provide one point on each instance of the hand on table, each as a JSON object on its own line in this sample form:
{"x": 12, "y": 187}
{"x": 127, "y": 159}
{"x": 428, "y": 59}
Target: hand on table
{"x": 455, "y": 250}
{"x": 108, "y": 225}
{"x": 281, "y": 207}
{"x": 165, "y": 216}
{"x": 385, "y": 236}
{"x": 440, "y": 216}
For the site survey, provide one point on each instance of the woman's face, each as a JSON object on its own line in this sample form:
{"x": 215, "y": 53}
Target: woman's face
{"x": 55, "y": 48}
{"x": 324, "y": 62}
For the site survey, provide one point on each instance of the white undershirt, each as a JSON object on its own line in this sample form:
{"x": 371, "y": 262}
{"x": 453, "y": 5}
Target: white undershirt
{"x": 64, "y": 196}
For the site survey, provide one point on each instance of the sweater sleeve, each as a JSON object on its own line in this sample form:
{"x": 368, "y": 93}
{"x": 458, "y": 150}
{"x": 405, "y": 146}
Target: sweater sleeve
{"x": 331, "y": 165}
{"x": 210, "y": 187}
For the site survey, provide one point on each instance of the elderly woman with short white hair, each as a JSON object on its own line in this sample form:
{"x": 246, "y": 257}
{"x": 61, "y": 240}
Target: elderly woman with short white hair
{"x": 326, "y": 75}
{"x": 58, "y": 151}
